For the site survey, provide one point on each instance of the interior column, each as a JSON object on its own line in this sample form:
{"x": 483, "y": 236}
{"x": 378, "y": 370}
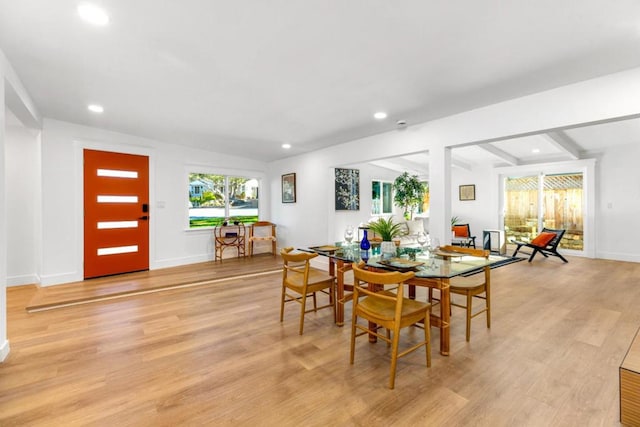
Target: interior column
{"x": 440, "y": 194}
{"x": 4, "y": 343}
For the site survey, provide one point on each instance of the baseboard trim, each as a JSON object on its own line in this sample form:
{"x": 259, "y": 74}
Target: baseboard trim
{"x": 59, "y": 279}
{"x": 178, "y": 262}
{"x": 4, "y": 350}
{"x": 26, "y": 279}
{"x": 616, "y": 256}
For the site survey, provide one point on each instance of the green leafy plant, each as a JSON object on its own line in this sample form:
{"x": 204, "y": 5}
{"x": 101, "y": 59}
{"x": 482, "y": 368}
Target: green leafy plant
{"x": 454, "y": 220}
{"x": 409, "y": 193}
{"x": 386, "y": 228}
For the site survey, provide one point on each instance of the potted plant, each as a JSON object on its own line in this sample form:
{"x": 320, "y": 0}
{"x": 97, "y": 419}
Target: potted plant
{"x": 409, "y": 193}
{"x": 386, "y": 229}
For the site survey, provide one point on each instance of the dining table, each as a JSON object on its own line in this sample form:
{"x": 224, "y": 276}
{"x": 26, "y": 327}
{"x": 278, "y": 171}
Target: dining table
{"x": 432, "y": 269}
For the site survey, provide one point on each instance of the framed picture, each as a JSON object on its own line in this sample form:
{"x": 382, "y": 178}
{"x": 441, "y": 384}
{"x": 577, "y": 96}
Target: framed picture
{"x": 347, "y": 189}
{"x": 289, "y": 188}
{"x": 468, "y": 192}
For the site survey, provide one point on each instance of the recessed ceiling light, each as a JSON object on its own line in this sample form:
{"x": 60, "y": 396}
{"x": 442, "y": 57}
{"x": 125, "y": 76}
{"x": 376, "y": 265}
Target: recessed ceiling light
{"x": 93, "y": 14}
{"x": 95, "y": 108}
{"x": 535, "y": 150}
{"x": 380, "y": 115}
{"x": 286, "y": 146}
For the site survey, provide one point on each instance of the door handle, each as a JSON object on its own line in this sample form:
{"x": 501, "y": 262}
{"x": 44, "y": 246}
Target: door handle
{"x": 144, "y": 218}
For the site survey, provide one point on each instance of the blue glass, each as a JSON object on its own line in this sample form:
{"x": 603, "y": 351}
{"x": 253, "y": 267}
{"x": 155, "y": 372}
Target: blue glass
{"x": 365, "y": 245}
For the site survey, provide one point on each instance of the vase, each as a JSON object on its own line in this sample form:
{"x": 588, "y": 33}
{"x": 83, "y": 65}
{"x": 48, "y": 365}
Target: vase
{"x": 365, "y": 245}
{"x": 387, "y": 250}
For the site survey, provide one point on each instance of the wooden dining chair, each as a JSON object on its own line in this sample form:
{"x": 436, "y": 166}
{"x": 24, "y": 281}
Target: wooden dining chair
{"x": 389, "y": 310}
{"x": 262, "y": 231}
{"x": 298, "y": 276}
{"x": 474, "y": 286}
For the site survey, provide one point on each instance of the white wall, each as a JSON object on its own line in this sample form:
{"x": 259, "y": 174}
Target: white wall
{"x": 315, "y": 182}
{"x": 304, "y": 222}
{"x": 22, "y": 149}
{"x": 171, "y": 243}
{"x": 480, "y": 213}
{"x": 4, "y": 343}
{"x": 618, "y": 202}
{"x": 311, "y": 219}
{"x": 14, "y": 95}
{"x": 340, "y": 219}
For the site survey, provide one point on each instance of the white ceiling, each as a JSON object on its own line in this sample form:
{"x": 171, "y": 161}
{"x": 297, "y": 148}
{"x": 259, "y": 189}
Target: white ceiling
{"x": 243, "y": 77}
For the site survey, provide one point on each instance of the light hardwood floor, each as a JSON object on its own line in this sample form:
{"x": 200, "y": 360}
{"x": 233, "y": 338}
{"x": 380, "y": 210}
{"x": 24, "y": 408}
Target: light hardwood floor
{"x": 218, "y": 355}
{"x": 148, "y": 281}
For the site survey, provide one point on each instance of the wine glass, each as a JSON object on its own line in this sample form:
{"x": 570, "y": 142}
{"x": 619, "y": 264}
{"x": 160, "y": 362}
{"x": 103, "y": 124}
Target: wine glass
{"x": 422, "y": 239}
{"x": 433, "y": 247}
{"x": 435, "y": 243}
{"x": 348, "y": 234}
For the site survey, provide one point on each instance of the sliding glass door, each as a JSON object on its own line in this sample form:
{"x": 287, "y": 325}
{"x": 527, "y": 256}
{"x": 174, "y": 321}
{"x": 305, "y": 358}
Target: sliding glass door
{"x": 563, "y": 202}
{"x": 552, "y": 200}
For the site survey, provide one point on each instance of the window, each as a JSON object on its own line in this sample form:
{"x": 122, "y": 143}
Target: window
{"x": 216, "y": 198}
{"x": 552, "y": 201}
{"x": 423, "y": 208}
{"x": 381, "y": 198}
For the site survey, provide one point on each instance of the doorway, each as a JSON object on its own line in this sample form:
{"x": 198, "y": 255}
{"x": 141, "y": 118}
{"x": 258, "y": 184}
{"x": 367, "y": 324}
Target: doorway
{"x": 545, "y": 200}
{"x": 116, "y": 213}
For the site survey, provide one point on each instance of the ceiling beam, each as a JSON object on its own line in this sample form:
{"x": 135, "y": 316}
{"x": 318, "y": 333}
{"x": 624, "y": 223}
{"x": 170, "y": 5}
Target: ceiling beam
{"x": 460, "y": 164}
{"x": 400, "y": 164}
{"x": 564, "y": 142}
{"x": 512, "y": 160}
{"x": 386, "y": 165}
{"x": 420, "y": 168}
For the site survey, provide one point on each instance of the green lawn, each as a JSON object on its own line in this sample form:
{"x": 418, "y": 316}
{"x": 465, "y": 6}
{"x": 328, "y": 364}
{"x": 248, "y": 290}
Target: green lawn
{"x": 212, "y": 222}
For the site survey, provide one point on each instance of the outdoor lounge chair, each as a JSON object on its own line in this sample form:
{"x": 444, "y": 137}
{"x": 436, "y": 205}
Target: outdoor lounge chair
{"x": 546, "y": 243}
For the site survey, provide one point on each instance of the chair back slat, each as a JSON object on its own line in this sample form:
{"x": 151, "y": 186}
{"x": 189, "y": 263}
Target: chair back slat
{"x": 553, "y": 244}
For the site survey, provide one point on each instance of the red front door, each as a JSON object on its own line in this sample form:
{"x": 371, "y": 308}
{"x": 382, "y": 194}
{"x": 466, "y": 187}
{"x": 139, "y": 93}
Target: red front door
{"x": 116, "y": 213}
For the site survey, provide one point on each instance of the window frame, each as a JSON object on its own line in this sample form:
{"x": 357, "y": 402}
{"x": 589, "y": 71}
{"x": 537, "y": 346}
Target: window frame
{"x": 227, "y": 174}
{"x": 382, "y": 183}
{"x": 586, "y": 166}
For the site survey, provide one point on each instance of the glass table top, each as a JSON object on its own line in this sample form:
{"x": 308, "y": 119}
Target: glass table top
{"x": 431, "y": 266}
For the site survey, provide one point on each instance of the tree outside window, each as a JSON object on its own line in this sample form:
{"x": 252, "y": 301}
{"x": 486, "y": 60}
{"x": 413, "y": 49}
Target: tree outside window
{"x": 215, "y": 198}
